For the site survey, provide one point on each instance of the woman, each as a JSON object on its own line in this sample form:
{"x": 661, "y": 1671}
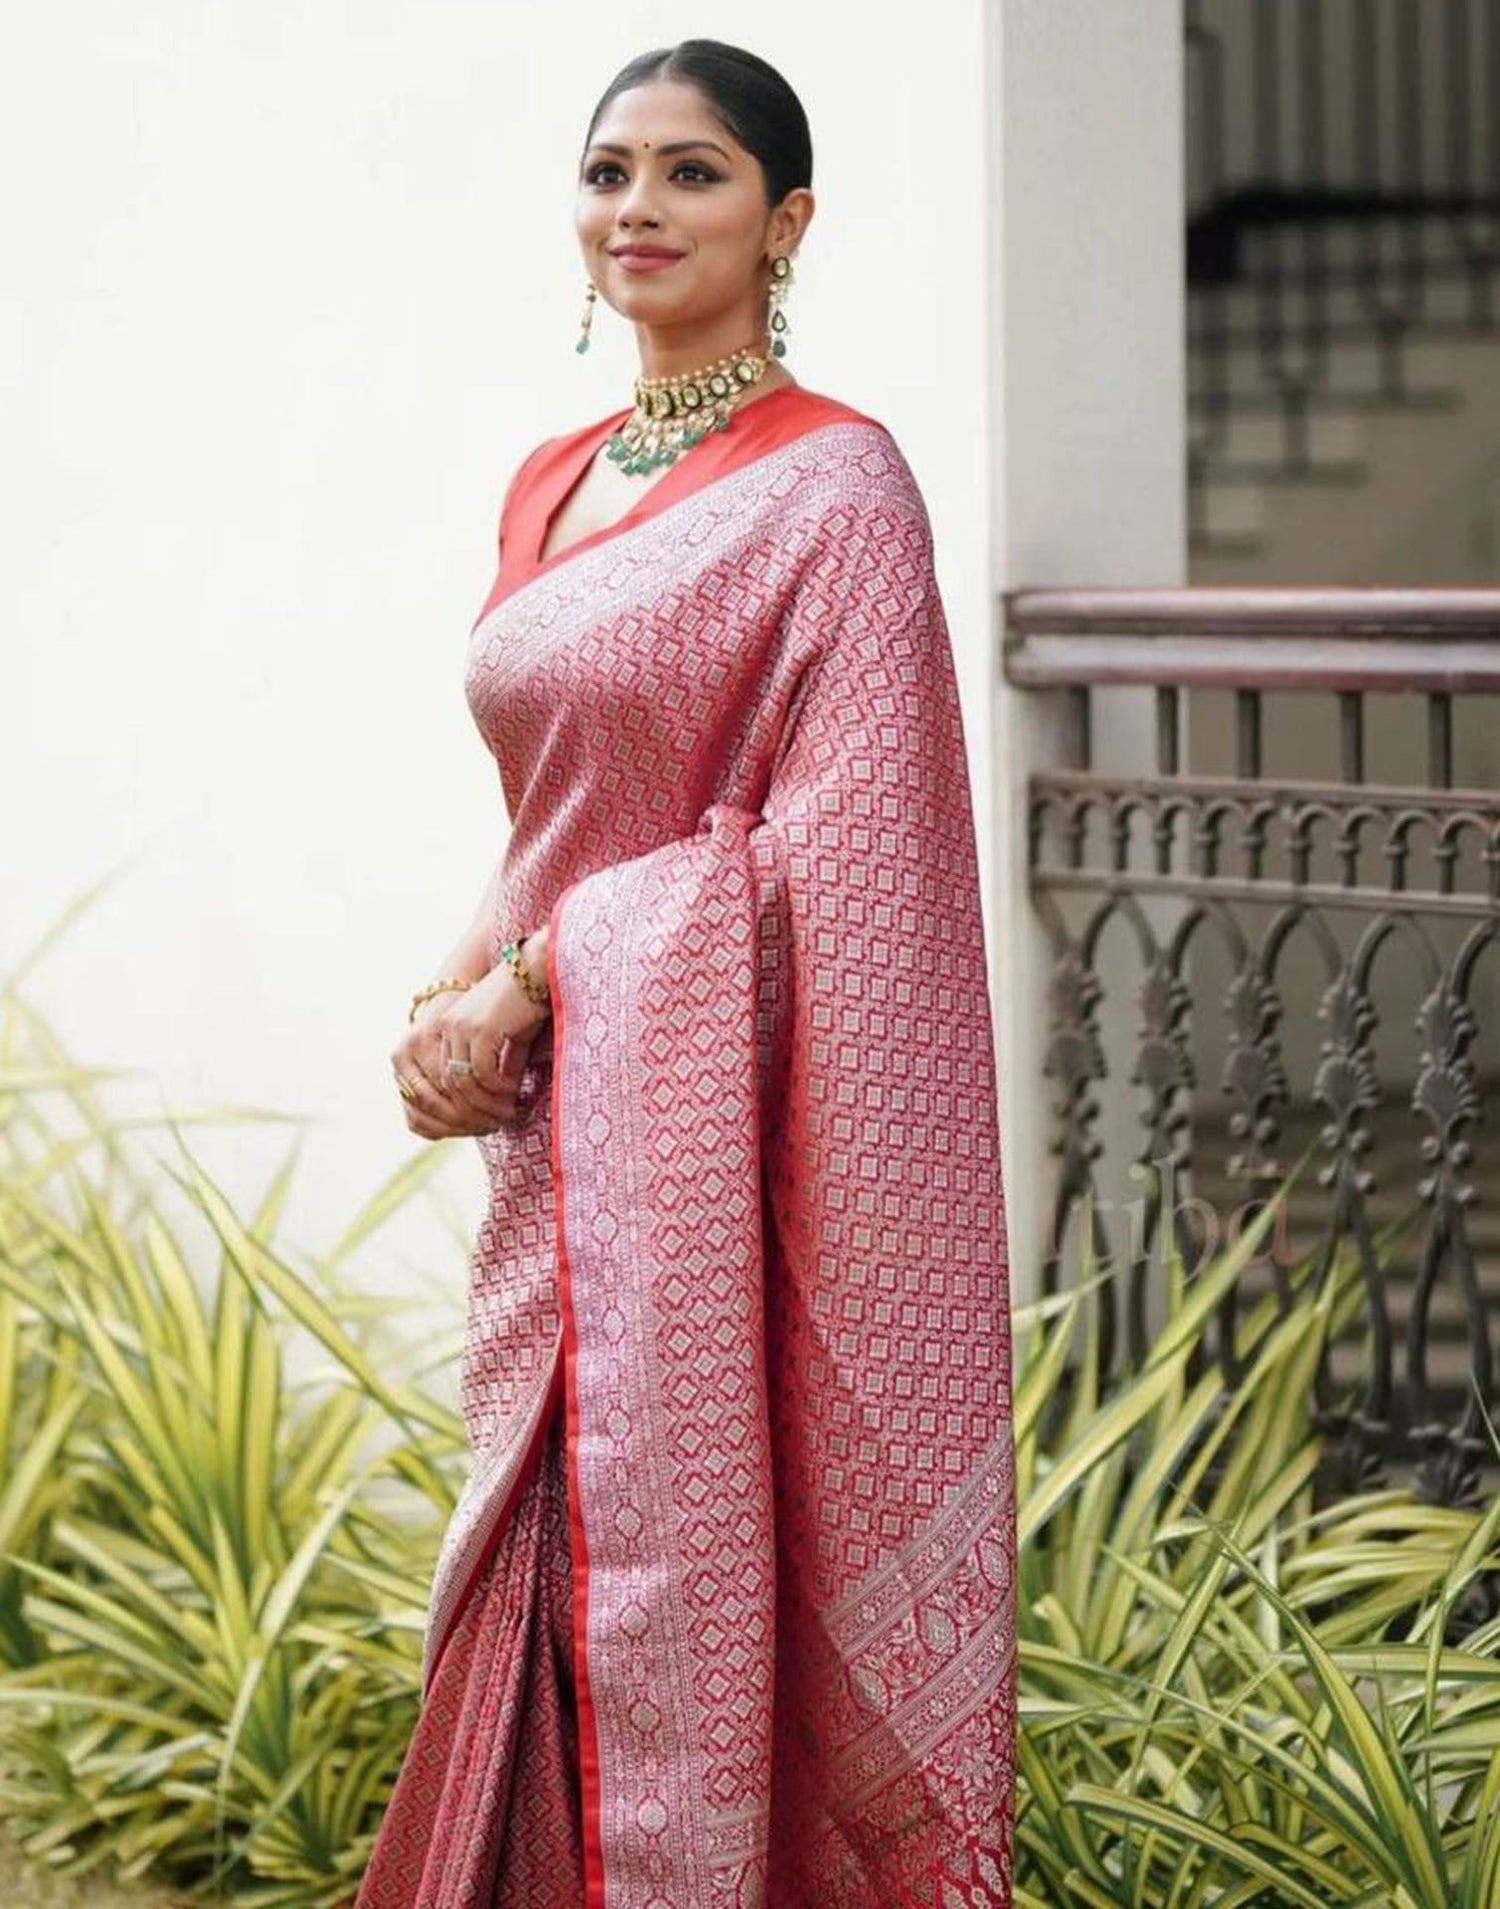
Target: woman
{"x": 725, "y": 1614}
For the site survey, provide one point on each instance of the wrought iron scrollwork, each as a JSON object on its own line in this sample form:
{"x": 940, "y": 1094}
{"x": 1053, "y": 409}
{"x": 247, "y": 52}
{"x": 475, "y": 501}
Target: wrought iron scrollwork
{"x": 1239, "y": 856}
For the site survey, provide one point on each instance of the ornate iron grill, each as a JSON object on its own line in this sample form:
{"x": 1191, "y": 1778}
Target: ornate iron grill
{"x": 1356, "y": 871}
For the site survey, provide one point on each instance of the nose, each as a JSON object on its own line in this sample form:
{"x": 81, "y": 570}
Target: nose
{"x": 637, "y": 206}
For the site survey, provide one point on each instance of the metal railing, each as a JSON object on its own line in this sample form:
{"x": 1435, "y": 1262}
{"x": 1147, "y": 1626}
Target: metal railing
{"x": 1391, "y": 890}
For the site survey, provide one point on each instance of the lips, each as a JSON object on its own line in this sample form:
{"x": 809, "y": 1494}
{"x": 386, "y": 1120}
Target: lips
{"x": 644, "y": 252}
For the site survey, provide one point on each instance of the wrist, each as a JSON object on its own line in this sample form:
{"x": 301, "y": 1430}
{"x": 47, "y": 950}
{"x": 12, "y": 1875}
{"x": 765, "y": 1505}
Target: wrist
{"x": 437, "y": 990}
{"x": 524, "y": 958}
{"x": 534, "y": 954}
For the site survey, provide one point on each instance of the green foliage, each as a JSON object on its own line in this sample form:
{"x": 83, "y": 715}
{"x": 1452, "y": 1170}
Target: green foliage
{"x": 222, "y": 1486}
{"x": 1230, "y": 1697}
{"x": 24, "y": 1886}
{"x": 220, "y": 1508}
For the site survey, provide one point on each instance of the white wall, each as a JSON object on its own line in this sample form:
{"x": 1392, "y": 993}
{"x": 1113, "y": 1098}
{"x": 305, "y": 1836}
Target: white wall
{"x": 287, "y": 292}
{"x": 1087, "y": 286}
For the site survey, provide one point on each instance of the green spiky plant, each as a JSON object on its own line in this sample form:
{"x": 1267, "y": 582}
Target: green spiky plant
{"x": 1230, "y": 1697}
{"x": 221, "y": 1491}
{"x": 222, "y": 1484}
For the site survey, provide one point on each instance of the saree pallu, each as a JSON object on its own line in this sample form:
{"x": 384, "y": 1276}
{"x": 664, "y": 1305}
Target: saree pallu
{"x": 738, "y": 1336}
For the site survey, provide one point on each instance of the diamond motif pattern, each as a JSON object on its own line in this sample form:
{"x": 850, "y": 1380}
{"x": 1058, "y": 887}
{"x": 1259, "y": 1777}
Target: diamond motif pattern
{"x": 758, "y": 1194}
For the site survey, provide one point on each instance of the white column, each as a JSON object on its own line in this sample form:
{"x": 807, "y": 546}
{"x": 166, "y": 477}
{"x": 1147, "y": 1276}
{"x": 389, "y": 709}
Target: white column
{"x": 1087, "y": 435}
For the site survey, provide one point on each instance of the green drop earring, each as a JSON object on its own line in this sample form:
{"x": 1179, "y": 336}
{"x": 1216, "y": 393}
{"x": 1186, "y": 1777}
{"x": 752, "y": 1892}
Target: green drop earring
{"x": 588, "y": 316}
{"x": 781, "y": 278}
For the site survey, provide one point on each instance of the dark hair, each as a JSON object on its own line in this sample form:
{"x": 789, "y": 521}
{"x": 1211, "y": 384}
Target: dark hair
{"x": 747, "y": 96}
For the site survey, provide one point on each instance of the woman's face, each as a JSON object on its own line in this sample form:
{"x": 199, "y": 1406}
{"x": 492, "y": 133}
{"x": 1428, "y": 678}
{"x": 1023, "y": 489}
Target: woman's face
{"x": 662, "y": 171}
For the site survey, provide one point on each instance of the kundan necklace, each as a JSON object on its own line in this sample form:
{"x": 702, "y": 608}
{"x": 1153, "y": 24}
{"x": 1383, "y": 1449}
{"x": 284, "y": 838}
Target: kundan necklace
{"x": 672, "y": 414}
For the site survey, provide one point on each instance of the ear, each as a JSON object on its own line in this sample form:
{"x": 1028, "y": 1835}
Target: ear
{"x": 792, "y": 217}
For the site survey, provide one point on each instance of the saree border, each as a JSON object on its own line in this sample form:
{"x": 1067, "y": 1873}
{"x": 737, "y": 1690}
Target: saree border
{"x": 650, "y": 1830}
{"x": 588, "y": 1726}
{"x": 759, "y": 475}
{"x": 474, "y": 1531}
{"x": 647, "y": 508}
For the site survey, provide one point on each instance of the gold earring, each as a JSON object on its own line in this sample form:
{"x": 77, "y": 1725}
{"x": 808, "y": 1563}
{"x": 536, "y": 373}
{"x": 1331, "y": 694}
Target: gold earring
{"x": 781, "y": 278}
{"x": 588, "y": 316}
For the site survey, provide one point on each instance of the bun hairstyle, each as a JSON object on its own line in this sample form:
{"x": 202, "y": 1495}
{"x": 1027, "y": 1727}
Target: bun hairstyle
{"x": 746, "y": 95}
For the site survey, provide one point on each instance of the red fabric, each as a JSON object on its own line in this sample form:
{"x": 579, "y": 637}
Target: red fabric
{"x": 754, "y": 1215}
{"x": 543, "y": 481}
{"x": 486, "y": 1809}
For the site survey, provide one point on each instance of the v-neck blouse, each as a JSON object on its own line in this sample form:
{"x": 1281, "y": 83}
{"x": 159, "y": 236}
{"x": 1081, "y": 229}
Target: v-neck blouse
{"x": 547, "y": 477}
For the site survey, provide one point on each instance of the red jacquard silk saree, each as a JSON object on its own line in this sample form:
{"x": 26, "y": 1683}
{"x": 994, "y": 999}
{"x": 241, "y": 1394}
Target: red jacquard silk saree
{"x": 738, "y": 1325}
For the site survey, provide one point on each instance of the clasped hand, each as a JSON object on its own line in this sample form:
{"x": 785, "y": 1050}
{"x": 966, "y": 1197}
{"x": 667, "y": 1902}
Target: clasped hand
{"x": 491, "y": 1026}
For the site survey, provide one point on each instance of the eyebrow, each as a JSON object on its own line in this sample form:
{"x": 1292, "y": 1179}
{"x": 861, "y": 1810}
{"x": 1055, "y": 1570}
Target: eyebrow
{"x": 677, "y": 145}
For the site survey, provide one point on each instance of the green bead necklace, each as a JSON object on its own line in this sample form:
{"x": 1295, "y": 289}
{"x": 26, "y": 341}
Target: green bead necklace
{"x": 672, "y": 414}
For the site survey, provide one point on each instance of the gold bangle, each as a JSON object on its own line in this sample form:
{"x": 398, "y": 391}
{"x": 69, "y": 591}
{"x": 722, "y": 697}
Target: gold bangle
{"x": 534, "y": 990}
{"x": 451, "y": 981}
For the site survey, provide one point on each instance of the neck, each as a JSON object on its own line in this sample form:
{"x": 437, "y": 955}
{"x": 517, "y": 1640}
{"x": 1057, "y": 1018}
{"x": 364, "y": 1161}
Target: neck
{"x": 670, "y": 351}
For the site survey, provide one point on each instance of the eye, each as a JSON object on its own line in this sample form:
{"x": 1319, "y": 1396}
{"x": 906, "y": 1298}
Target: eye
{"x": 594, "y": 175}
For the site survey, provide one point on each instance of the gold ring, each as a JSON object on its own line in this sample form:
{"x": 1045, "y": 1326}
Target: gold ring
{"x": 408, "y": 1092}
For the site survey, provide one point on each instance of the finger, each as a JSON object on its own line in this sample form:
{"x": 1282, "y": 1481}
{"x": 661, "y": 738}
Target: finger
{"x": 425, "y": 1096}
{"x": 514, "y": 1057}
{"x": 468, "y": 1088}
{"x": 488, "y": 1057}
{"x": 487, "y": 1109}
{"x": 503, "y": 1066}
{"x": 443, "y": 1126}
{"x": 480, "y": 1106}
{"x": 490, "y": 1087}
{"x": 425, "y": 1071}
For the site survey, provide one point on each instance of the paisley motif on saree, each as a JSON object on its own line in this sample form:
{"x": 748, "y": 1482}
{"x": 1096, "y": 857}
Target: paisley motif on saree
{"x": 750, "y": 1236}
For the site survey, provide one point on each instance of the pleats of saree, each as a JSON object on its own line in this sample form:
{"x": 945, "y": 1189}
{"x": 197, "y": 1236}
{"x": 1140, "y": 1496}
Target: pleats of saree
{"x": 486, "y": 1811}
